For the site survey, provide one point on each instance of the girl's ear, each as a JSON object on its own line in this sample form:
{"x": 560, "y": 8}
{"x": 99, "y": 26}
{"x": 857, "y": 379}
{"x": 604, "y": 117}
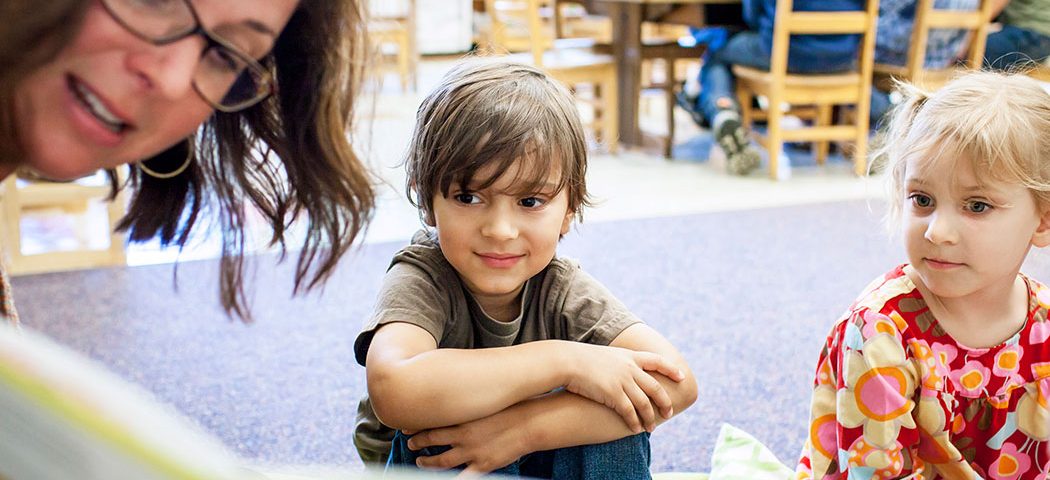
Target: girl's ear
{"x": 1041, "y": 237}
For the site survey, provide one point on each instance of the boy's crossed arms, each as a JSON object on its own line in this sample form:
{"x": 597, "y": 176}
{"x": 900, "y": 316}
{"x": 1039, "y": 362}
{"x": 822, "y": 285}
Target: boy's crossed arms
{"x": 467, "y": 399}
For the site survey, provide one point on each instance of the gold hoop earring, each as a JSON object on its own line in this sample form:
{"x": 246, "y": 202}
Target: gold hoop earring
{"x": 173, "y": 173}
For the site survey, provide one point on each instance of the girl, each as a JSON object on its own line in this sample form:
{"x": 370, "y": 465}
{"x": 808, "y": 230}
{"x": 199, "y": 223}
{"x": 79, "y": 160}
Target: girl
{"x": 194, "y": 94}
{"x": 941, "y": 368}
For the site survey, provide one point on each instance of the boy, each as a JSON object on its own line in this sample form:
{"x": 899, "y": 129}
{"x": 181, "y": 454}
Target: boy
{"x": 486, "y": 351}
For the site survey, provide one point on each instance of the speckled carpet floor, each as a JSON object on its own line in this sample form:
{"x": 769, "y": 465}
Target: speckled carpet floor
{"x": 747, "y": 296}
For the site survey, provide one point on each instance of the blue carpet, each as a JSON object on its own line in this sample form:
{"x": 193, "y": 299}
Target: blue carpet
{"x": 747, "y": 296}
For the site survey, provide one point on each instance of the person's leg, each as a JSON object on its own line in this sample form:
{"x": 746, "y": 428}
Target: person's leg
{"x": 1013, "y": 47}
{"x": 718, "y": 99}
{"x": 626, "y": 458}
{"x": 401, "y": 457}
{"x": 717, "y": 85}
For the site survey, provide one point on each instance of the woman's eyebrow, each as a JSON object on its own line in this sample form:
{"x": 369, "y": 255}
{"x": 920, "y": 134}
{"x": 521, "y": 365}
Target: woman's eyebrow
{"x": 260, "y": 27}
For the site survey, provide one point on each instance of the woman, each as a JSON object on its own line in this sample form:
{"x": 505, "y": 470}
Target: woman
{"x": 194, "y": 94}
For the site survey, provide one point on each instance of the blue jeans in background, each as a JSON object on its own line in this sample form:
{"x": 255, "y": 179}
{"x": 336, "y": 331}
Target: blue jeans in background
{"x": 627, "y": 459}
{"x": 1014, "y": 46}
{"x": 745, "y": 48}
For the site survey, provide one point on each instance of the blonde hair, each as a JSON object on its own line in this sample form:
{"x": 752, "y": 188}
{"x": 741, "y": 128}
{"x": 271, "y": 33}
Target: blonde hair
{"x": 998, "y": 122}
{"x": 491, "y": 111}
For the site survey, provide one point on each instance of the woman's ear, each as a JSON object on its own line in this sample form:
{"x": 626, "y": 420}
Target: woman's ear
{"x": 1041, "y": 237}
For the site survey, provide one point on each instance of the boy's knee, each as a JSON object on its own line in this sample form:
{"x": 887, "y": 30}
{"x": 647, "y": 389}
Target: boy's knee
{"x": 628, "y": 457}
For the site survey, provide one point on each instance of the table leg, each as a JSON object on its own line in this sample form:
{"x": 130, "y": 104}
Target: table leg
{"x": 627, "y": 47}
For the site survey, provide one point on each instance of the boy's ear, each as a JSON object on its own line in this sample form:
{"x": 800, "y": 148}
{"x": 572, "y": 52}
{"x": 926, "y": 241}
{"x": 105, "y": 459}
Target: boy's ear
{"x": 428, "y": 218}
{"x": 567, "y": 222}
{"x": 1041, "y": 237}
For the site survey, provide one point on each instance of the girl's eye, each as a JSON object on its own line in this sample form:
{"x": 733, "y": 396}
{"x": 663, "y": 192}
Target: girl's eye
{"x": 920, "y": 200}
{"x": 467, "y": 198}
{"x": 977, "y": 206}
{"x": 531, "y": 202}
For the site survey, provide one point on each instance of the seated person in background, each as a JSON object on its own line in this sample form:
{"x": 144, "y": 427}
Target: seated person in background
{"x": 752, "y": 48}
{"x": 939, "y": 369}
{"x": 486, "y": 351}
{"x": 896, "y": 19}
{"x": 1025, "y": 36}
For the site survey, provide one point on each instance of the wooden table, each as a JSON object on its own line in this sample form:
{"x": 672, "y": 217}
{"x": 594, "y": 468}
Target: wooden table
{"x": 627, "y": 17}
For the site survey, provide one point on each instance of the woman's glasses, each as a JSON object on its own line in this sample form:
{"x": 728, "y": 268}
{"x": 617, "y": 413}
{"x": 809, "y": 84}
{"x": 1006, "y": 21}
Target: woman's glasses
{"x": 228, "y": 79}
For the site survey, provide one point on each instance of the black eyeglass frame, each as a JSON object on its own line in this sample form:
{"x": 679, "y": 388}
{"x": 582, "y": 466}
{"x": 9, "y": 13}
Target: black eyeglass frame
{"x": 211, "y": 41}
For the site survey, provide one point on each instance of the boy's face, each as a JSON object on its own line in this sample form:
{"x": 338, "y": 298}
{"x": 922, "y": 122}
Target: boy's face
{"x": 496, "y": 239}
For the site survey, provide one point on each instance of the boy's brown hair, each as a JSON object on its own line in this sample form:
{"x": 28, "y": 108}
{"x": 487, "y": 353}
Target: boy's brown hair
{"x": 490, "y": 111}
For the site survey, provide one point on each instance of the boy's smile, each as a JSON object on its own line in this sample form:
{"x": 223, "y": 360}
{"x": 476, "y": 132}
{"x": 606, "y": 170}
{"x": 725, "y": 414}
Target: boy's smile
{"x": 497, "y": 238}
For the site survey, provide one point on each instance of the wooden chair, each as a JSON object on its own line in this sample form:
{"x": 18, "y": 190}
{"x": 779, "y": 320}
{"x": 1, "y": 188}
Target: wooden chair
{"x": 914, "y": 70}
{"x": 572, "y": 61}
{"x": 20, "y": 196}
{"x": 394, "y": 23}
{"x": 820, "y": 92}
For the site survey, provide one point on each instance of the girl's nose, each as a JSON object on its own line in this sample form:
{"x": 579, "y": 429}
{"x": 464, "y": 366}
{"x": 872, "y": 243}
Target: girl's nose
{"x": 941, "y": 229}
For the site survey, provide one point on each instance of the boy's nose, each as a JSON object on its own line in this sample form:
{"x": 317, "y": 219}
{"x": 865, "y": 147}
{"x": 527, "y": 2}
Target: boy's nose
{"x": 941, "y": 229}
{"x": 499, "y": 227}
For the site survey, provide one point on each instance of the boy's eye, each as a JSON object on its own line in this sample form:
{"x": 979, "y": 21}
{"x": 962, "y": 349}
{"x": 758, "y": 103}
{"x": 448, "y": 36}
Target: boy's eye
{"x": 468, "y": 198}
{"x": 531, "y": 202}
{"x": 976, "y": 206}
{"x": 920, "y": 200}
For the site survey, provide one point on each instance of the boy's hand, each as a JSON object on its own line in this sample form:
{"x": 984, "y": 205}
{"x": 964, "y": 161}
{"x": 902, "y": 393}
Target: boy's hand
{"x": 618, "y": 378}
{"x": 481, "y": 446}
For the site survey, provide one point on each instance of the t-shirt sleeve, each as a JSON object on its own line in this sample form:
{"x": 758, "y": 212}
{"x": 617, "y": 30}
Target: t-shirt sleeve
{"x": 409, "y": 295}
{"x": 863, "y": 404}
{"x": 590, "y": 312}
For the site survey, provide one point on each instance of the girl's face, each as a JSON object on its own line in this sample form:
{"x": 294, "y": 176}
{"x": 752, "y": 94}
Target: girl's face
{"x": 111, "y": 98}
{"x": 964, "y": 235}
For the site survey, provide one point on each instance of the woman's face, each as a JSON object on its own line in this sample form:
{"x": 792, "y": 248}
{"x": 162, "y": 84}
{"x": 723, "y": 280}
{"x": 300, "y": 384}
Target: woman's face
{"x": 111, "y": 98}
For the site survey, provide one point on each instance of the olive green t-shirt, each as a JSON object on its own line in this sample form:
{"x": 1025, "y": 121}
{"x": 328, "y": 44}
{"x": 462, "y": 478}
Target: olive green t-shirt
{"x": 1031, "y": 15}
{"x": 562, "y": 302}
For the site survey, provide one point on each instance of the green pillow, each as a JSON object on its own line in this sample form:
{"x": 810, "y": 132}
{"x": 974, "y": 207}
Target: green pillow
{"x": 738, "y": 456}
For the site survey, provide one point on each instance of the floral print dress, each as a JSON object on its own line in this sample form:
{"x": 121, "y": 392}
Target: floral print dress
{"x": 896, "y": 397}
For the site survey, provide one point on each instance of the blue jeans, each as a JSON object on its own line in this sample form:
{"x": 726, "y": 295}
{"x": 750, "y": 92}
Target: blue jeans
{"x": 745, "y": 48}
{"x": 1014, "y": 46}
{"x": 627, "y": 458}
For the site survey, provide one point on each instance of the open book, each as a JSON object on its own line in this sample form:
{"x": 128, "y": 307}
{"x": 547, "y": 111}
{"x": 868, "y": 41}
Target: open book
{"x": 64, "y": 416}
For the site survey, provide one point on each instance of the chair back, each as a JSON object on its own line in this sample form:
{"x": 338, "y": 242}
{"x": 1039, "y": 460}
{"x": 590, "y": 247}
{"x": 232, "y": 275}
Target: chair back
{"x": 518, "y": 26}
{"x": 974, "y": 22}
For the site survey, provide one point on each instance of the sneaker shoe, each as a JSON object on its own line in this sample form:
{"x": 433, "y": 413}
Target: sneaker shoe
{"x": 689, "y": 104}
{"x": 741, "y": 156}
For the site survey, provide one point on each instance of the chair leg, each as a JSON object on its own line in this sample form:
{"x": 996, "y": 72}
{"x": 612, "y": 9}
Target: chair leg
{"x": 774, "y": 136}
{"x": 669, "y": 91}
{"x": 12, "y": 231}
{"x": 823, "y": 120}
{"x": 610, "y": 118}
{"x": 860, "y": 153}
{"x": 402, "y": 60}
{"x": 743, "y": 97}
{"x": 598, "y": 108}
